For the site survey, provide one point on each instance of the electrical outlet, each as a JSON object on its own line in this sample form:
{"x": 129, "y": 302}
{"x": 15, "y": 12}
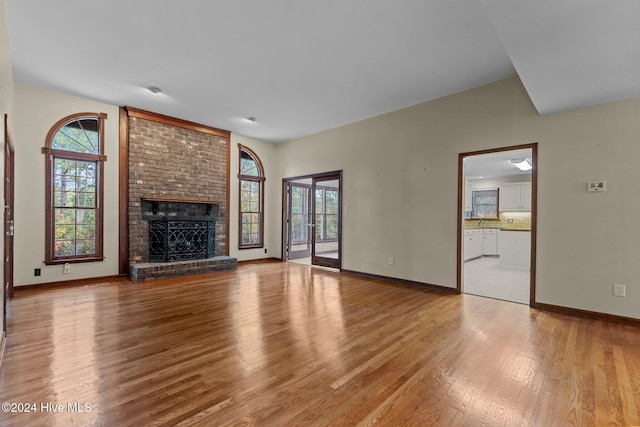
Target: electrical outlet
{"x": 36, "y": 271}
{"x": 66, "y": 269}
{"x": 619, "y": 290}
{"x": 265, "y": 250}
{"x": 391, "y": 260}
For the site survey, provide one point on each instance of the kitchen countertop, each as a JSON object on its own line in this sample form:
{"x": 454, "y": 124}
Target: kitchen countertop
{"x": 497, "y": 228}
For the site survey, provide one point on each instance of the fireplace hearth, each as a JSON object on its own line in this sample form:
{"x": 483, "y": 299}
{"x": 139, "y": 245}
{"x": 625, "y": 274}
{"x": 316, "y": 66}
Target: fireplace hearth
{"x": 182, "y": 239}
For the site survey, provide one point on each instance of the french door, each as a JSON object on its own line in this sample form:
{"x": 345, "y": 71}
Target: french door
{"x": 313, "y": 225}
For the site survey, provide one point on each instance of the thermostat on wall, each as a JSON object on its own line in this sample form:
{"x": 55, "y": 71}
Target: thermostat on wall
{"x": 596, "y": 186}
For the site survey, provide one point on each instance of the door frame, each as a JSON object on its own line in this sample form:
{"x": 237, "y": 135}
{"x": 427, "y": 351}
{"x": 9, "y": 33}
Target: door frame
{"x": 285, "y": 182}
{"x": 534, "y": 212}
{"x": 9, "y": 193}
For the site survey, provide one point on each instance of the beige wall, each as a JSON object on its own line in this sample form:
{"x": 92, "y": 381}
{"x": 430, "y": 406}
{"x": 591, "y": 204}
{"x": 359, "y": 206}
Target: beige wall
{"x": 400, "y": 190}
{"x": 37, "y": 110}
{"x": 6, "y": 107}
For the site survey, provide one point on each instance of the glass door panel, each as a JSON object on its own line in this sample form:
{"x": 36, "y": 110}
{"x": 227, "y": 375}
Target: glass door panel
{"x": 326, "y": 220}
{"x": 299, "y": 220}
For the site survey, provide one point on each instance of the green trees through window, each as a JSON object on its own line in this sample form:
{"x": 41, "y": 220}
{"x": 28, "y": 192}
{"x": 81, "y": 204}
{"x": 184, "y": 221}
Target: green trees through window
{"x": 300, "y": 213}
{"x": 75, "y": 206}
{"x": 326, "y": 214}
{"x": 74, "y": 148}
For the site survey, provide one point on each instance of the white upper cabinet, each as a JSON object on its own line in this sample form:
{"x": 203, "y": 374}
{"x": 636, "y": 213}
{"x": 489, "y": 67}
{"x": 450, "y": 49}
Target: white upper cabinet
{"x": 525, "y": 195}
{"x": 468, "y": 200}
{"x": 515, "y": 197}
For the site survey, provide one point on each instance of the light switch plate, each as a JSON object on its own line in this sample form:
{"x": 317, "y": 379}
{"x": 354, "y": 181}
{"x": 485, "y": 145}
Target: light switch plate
{"x": 619, "y": 290}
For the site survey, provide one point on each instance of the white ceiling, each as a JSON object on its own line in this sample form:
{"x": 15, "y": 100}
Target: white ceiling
{"x": 495, "y": 165}
{"x": 571, "y": 53}
{"x": 303, "y": 66}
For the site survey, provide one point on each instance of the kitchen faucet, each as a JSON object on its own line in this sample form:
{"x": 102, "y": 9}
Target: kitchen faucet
{"x": 480, "y": 222}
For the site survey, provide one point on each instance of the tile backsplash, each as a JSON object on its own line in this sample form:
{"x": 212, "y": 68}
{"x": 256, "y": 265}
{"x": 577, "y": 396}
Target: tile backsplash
{"x": 519, "y": 221}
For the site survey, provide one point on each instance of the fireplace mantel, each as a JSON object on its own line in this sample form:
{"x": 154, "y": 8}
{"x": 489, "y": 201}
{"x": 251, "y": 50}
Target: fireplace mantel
{"x": 168, "y": 199}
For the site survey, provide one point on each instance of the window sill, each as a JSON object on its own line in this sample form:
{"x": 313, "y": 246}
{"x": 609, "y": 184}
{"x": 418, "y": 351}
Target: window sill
{"x": 251, "y": 247}
{"x": 72, "y": 260}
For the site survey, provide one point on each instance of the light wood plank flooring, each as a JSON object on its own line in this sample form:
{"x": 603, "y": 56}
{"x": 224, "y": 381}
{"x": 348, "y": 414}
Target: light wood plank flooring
{"x": 281, "y": 344}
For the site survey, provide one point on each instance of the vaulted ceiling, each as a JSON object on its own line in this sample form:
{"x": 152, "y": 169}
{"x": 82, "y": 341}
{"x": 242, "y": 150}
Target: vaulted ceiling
{"x": 303, "y": 66}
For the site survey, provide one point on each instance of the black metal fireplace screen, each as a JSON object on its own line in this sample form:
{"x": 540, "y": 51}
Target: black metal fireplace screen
{"x": 181, "y": 240}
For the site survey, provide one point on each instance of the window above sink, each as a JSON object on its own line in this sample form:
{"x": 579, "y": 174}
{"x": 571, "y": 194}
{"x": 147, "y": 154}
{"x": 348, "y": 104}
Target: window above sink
{"x": 484, "y": 203}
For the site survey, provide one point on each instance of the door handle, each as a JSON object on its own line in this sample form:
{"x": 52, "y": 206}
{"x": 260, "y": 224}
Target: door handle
{"x": 10, "y": 231}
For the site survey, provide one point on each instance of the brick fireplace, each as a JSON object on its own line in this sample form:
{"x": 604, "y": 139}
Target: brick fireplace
{"x": 178, "y": 172}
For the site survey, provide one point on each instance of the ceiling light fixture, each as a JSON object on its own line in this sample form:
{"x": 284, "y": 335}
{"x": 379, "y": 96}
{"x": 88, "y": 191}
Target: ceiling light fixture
{"x": 522, "y": 164}
{"x": 251, "y": 119}
{"x": 154, "y": 89}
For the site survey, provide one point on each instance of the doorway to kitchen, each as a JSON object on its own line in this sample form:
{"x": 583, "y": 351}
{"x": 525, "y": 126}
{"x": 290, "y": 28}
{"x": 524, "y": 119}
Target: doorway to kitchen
{"x": 312, "y": 219}
{"x": 496, "y": 232}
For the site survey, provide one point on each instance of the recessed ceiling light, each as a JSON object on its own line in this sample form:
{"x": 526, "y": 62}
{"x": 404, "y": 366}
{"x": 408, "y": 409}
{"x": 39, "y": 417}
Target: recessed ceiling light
{"x": 154, "y": 89}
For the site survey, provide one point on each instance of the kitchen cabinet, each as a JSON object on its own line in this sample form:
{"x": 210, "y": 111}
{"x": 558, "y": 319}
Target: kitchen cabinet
{"x": 490, "y": 241}
{"x": 515, "y": 250}
{"x": 468, "y": 200}
{"x": 515, "y": 197}
{"x": 479, "y": 242}
{"x": 473, "y": 244}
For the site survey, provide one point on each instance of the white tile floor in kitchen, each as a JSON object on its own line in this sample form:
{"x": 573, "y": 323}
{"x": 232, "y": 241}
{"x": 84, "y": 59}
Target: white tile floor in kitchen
{"x": 484, "y": 277}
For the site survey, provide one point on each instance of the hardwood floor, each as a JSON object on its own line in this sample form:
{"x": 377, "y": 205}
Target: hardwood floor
{"x": 282, "y": 344}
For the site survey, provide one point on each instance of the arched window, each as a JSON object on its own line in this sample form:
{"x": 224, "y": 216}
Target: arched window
{"x": 74, "y": 183}
{"x": 251, "y": 176}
